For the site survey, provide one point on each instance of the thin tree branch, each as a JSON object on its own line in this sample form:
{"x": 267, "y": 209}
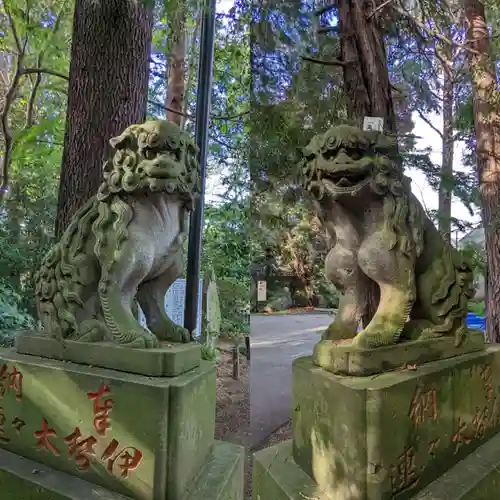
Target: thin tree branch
{"x": 328, "y": 29}
{"x": 9, "y": 99}
{"x": 378, "y": 9}
{"x": 30, "y": 112}
{"x": 46, "y": 71}
{"x": 38, "y": 78}
{"x": 331, "y": 62}
{"x": 426, "y": 120}
{"x": 212, "y": 117}
{"x": 51, "y": 143}
{"x": 13, "y": 29}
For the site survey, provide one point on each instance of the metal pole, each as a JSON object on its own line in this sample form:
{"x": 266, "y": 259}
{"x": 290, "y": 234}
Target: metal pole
{"x": 203, "y": 97}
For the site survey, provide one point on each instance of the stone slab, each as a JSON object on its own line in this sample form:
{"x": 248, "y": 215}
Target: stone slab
{"x": 222, "y": 477}
{"x": 170, "y": 360}
{"x": 143, "y": 437}
{"x": 20, "y": 478}
{"x": 276, "y": 476}
{"x": 477, "y": 477}
{"x": 388, "y": 436}
{"x": 342, "y": 358}
{"x": 23, "y": 479}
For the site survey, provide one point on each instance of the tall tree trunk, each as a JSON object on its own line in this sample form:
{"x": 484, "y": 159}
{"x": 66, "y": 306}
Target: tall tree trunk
{"x": 108, "y": 88}
{"x": 366, "y": 77}
{"x": 446, "y": 183}
{"x": 487, "y": 126}
{"x": 176, "y": 71}
{"x": 366, "y": 81}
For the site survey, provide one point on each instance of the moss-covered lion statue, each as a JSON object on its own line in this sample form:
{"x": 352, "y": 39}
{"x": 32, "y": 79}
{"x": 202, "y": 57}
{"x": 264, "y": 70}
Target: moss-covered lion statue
{"x": 381, "y": 233}
{"x": 124, "y": 244}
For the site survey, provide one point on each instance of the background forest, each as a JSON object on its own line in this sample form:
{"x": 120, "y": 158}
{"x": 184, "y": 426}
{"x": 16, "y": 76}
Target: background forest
{"x": 283, "y": 71}
{"x": 35, "y": 55}
{"x": 321, "y": 63}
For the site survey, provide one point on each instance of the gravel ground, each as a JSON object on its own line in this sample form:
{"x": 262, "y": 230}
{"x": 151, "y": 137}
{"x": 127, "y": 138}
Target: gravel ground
{"x": 232, "y": 420}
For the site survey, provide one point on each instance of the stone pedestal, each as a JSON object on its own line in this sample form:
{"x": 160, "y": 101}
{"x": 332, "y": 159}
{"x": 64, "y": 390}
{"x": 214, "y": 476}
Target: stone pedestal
{"x": 390, "y": 436}
{"x": 132, "y": 436}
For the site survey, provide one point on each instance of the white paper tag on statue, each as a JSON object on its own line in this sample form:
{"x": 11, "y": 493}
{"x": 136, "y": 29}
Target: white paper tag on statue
{"x": 373, "y": 123}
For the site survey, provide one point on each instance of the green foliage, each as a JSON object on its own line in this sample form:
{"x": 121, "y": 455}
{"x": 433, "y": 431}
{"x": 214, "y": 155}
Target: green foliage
{"x": 477, "y": 307}
{"x": 36, "y": 114}
{"x": 12, "y": 316}
{"x": 476, "y": 256}
{"x": 234, "y": 300}
{"x": 209, "y": 353}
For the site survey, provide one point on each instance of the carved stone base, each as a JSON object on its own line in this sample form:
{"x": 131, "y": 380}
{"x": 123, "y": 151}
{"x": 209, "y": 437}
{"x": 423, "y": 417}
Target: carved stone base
{"x": 342, "y": 358}
{"x": 20, "y": 478}
{"x": 385, "y": 437}
{"x": 170, "y": 360}
{"x": 147, "y": 438}
{"x": 276, "y": 475}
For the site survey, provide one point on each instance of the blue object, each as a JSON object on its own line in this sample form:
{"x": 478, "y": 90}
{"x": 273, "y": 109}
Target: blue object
{"x": 476, "y": 322}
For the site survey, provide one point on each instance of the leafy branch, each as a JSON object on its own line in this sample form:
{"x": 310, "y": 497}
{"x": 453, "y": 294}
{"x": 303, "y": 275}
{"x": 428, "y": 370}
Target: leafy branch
{"x": 19, "y": 72}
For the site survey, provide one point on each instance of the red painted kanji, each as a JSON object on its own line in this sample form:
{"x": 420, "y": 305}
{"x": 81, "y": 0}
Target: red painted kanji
{"x": 16, "y": 382}
{"x": 12, "y": 381}
{"x": 423, "y": 406}
{"x": 102, "y": 407}
{"x": 81, "y": 448}
{"x": 125, "y": 461}
{"x": 3, "y": 379}
{"x": 3, "y": 437}
{"x": 43, "y": 438}
{"x": 460, "y": 437}
{"x": 480, "y": 422}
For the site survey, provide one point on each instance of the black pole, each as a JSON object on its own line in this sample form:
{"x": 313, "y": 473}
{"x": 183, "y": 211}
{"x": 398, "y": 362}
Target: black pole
{"x": 203, "y": 96}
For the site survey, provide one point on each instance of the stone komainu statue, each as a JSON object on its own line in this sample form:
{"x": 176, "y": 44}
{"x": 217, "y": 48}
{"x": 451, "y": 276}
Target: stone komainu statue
{"x": 381, "y": 233}
{"x": 124, "y": 244}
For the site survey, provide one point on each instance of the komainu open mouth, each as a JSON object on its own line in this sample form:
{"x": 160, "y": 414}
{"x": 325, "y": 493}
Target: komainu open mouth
{"x": 346, "y": 181}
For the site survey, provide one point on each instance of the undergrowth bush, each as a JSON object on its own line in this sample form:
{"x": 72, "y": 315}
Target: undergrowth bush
{"x": 12, "y": 316}
{"x": 234, "y": 298}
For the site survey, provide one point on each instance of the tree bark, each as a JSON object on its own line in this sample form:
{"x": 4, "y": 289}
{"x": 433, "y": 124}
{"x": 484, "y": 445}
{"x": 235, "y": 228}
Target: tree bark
{"x": 366, "y": 77}
{"x": 487, "y": 127}
{"x": 446, "y": 183}
{"x": 176, "y": 71}
{"x": 366, "y": 82}
{"x": 108, "y": 88}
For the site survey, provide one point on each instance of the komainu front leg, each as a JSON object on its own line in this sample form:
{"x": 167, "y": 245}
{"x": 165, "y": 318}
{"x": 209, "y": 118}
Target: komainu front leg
{"x": 151, "y": 296}
{"x": 117, "y": 289}
{"x": 394, "y": 273}
{"x": 121, "y": 322}
{"x": 351, "y": 307}
{"x": 342, "y": 269}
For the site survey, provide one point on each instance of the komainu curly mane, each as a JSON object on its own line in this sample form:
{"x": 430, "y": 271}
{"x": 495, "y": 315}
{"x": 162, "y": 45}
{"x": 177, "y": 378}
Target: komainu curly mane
{"x": 153, "y": 163}
{"x": 359, "y": 187}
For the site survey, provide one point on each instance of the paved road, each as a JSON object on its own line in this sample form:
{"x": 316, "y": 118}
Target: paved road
{"x": 275, "y": 342}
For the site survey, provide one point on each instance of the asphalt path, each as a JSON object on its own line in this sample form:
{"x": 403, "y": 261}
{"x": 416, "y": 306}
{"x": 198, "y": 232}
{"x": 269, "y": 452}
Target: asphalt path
{"x": 276, "y": 340}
